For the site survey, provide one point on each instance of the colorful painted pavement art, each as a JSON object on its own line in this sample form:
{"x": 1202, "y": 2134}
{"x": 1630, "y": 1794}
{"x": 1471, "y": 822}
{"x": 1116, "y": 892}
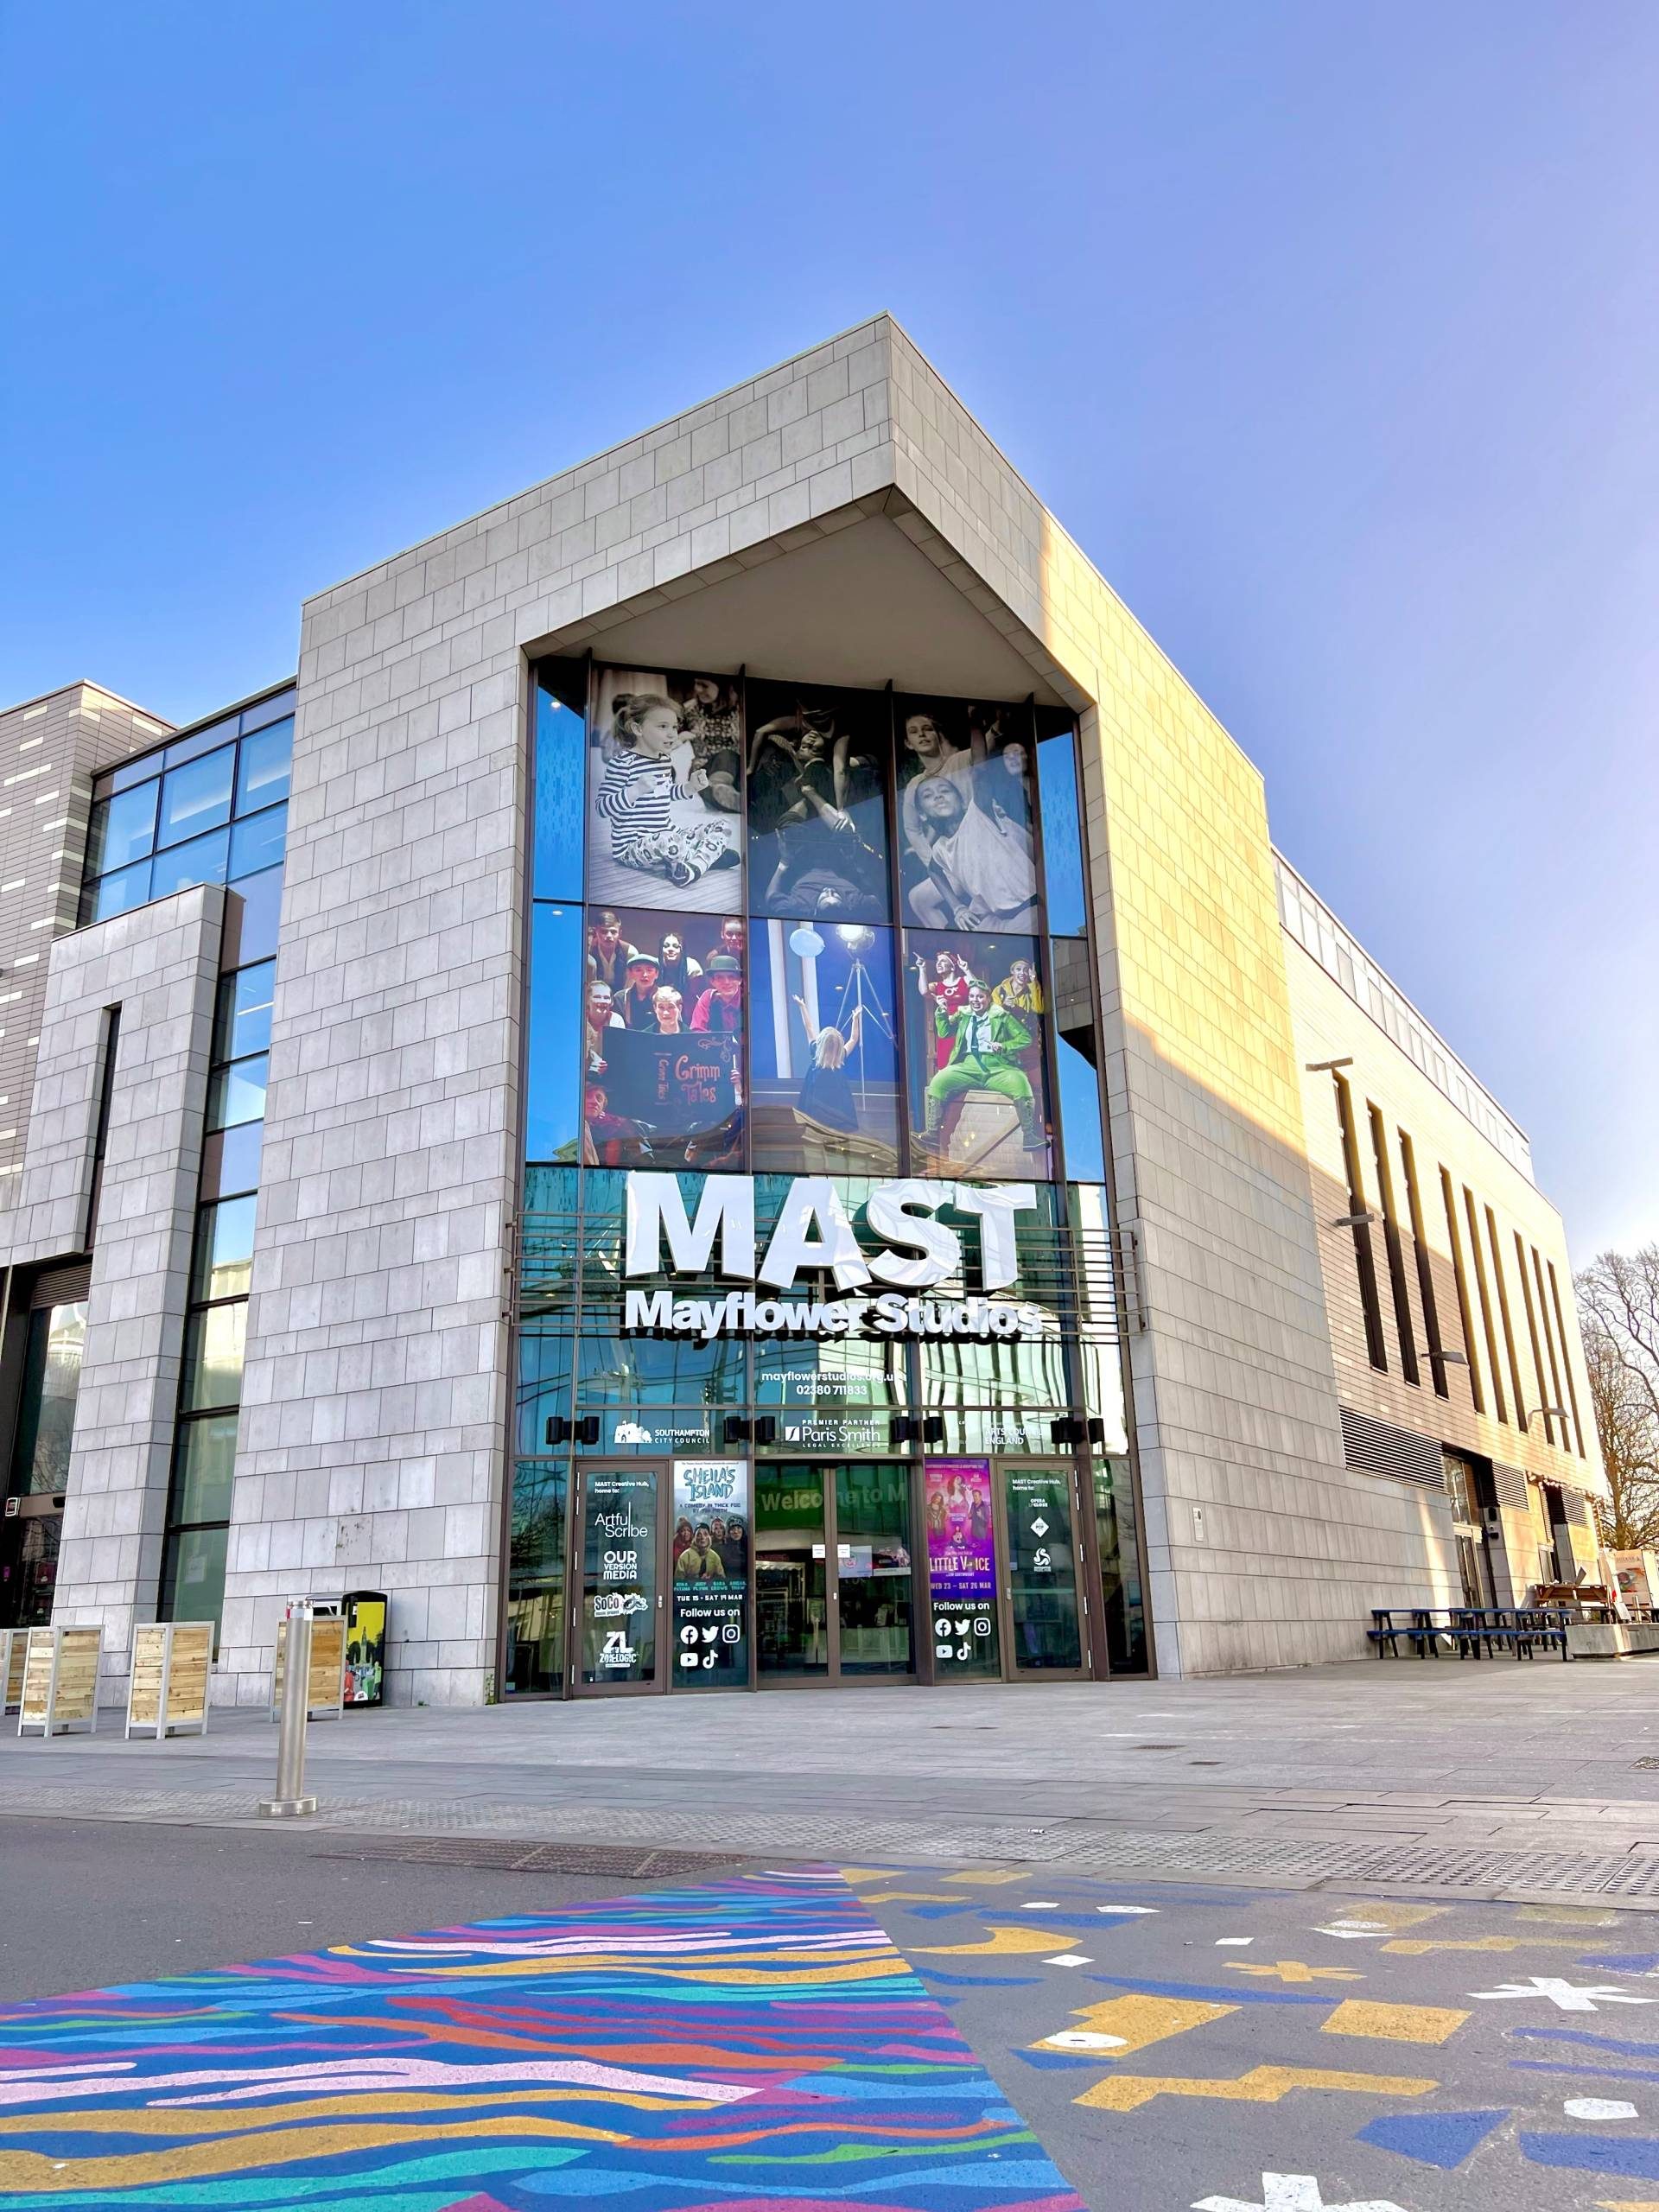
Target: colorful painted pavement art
{"x": 1234, "y": 2049}
{"x": 758, "y": 2042}
{"x": 808, "y": 2039}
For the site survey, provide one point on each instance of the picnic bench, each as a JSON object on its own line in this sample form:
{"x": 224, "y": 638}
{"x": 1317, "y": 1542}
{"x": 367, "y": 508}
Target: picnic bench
{"x": 1472, "y": 1631}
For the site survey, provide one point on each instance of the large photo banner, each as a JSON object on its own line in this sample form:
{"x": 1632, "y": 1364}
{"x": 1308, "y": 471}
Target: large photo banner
{"x": 968, "y": 856}
{"x": 710, "y": 1550}
{"x": 665, "y": 789}
{"x": 665, "y": 1008}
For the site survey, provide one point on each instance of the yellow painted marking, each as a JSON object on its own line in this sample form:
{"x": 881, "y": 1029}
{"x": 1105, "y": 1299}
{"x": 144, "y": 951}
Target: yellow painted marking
{"x": 990, "y": 1878}
{"x": 1381, "y": 1913}
{"x": 1002, "y": 1942}
{"x": 1262, "y": 2085}
{"x": 1417, "y": 1946}
{"x": 907, "y": 1896}
{"x": 1133, "y": 2022}
{"x": 1394, "y": 2023}
{"x": 1293, "y": 1970}
{"x": 1623, "y": 2205}
{"x": 865, "y": 1873}
{"x": 1576, "y": 1915}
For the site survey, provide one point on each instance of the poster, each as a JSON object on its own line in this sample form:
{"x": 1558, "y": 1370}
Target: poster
{"x": 665, "y": 1002}
{"x": 665, "y": 789}
{"x": 979, "y": 1092}
{"x": 824, "y": 1048}
{"x": 961, "y": 1566}
{"x": 710, "y": 1552}
{"x": 618, "y": 1606}
{"x": 968, "y": 857}
{"x": 818, "y": 777}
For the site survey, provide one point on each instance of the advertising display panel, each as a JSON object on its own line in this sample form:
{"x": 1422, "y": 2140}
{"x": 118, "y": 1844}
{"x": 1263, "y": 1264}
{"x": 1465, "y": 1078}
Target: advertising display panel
{"x": 618, "y": 1584}
{"x": 664, "y": 1008}
{"x": 978, "y": 1084}
{"x": 968, "y": 854}
{"x": 824, "y": 1048}
{"x": 819, "y": 769}
{"x": 665, "y": 789}
{"x": 711, "y": 1574}
{"x": 961, "y": 1566}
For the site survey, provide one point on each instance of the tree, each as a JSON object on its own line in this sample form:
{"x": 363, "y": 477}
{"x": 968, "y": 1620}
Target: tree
{"x": 1619, "y": 1303}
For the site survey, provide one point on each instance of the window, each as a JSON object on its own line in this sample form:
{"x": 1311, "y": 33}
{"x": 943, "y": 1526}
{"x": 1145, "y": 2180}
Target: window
{"x": 1065, "y": 882}
{"x": 224, "y": 1256}
{"x": 209, "y": 806}
{"x": 1567, "y": 1359}
{"x": 1365, "y": 1259}
{"x": 1425, "y": 1271}
{"x": 242, "y": 1020}
{"x": 1465, "y": 1312}
{"x": 1393, "y": 1248}
{"x": 1488, "y": 1324}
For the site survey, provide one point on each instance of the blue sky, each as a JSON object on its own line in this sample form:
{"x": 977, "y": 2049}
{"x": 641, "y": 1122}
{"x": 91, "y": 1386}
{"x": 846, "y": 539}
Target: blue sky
{"x": 1328, "y": 330}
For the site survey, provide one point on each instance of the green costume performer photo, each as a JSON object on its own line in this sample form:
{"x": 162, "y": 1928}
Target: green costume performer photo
{"x": 985, "y": 1039}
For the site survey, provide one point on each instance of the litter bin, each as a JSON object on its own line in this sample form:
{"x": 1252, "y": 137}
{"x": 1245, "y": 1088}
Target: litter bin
{"x": 365, "y": 1645}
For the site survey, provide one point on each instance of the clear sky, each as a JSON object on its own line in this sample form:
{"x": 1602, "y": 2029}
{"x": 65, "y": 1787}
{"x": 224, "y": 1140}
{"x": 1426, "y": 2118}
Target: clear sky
{"x": 1327, "y": 328}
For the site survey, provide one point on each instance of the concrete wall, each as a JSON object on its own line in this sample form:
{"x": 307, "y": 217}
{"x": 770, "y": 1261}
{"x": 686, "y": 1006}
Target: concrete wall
{"x": 159, "y": 965}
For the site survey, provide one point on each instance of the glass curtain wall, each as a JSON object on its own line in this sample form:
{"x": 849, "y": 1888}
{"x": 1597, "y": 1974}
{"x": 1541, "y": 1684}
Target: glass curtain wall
{"x": 808, "y": 932}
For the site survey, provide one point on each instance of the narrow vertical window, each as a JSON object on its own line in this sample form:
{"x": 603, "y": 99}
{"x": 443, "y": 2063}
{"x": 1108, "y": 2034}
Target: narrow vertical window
{"x": 1466, "y": 1314}
{"x": 1521, "y": 1409}
{"x": 1567, "y": 1359}
{"x": 1365, "y": 1259}
{"x": 1425, "y": 1271}
{"x": 1488, "y": 1323}
{"x": 101, "y": 1124}
{"x": 1549, "y": 1386}
{"x": 1395, "y": 1250}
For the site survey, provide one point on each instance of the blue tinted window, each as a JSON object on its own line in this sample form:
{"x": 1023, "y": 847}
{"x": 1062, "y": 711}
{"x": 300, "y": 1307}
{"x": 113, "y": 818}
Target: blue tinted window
{"x": 244, "y": 1024}
{"x": 1079, "y": 1114}
{"x": 560, "y": 755}
{"x": 257, "y": 843}
{"x": 237, "y": 1094}
{"x": 120, "y": 893}
{"x": 250, "y": 933}
{"x": 1056, "y": 781}
{"x": 269, "y": 710}
{"x": 262, "y": 772}
{"x": 122, "y": 828}
{"x": 197, "y": 797}
{"x": 230, "y": 1161}
{"x": 555, "y": 1038}
{"x": 201, "y": 862}
{"x": 199, "y": 741}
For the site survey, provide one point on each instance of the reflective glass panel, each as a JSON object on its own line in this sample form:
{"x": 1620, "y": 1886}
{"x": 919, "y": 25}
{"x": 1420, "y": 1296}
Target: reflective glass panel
{"x": 1076, "y": 1047}
{"x": 537, "y": 1545}
{"x": 258, "y": 841}
{"x": 550, "y": 1116}
{"x": 213, "y": 1342}
{"x": 873, "y": 1569}
{"x": 1067, "y": 902}
{"x": 278, "y": 707}
{"x": 1042, "y": 1570}
{"x": 236, "y": 1093}
{"x": 967, "y": 855}
{"x": 194, "y": 1587}
{"x": 664, "y": 1004}
{"x": 224, "y": 1258}
{"x": 791, "y": 1617}
{"x": 1120, "y": 1566}
{"x": 206, "y": 1466}
{"x": 543, "y": 1393}
{"x": 45, "y": 1415}
{"x": 263, "y": 767}
{"x": 560, "y": 765}
{"x": 250, "y": 920}
{"x": 197, "y": 797}
{"x": 819, "y": 766}
{"x": 185, "y": 865}
{"x": 199, "y": 741}
{"x": 230, "y": 1161}
{"x": 243, "y": 1012}
{"x": 974, "y": 1010}
{"x": 615, "y": 1370}
{"x": 118, "y": 893}
{"x": 664, "y": 774}
{"x": 824, "y": 1051}
{"x": 122, "y": 829}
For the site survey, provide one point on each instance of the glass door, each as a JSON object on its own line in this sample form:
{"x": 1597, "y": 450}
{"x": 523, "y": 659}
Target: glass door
{"x": 28, "y": 1561}
{"x": 833, "y": 1572}
{"x": 619, "y": 1618}
{"x": 1041, "y": 1609}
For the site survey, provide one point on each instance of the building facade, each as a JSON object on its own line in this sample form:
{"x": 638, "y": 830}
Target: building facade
{"x": 727, "y": 1091}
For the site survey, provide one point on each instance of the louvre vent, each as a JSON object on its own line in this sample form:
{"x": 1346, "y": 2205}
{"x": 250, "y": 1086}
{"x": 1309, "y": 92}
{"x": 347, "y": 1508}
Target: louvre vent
{"x": 1376, "y": 1447}
{"x": 63, "y": 1285}
{"x": 1510, "y": 1486}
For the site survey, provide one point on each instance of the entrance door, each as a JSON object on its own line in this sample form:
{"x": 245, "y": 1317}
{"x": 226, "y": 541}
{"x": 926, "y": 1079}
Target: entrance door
{"x": 28, "y": 1561}
{"x": 1042, "y": 1629}
{"x": 833, "y": 1574}
{"x": 619, "y": 1615}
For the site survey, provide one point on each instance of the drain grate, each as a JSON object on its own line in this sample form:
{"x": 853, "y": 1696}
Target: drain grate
{"x": 1294, "y": 1858}
{"x": 601, "y": 1859}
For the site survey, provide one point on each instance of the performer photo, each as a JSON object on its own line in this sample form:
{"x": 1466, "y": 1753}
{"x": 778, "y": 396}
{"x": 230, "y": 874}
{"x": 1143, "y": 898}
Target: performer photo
{"x": 663, "y": 798}
{"x": 986, "y": 1045}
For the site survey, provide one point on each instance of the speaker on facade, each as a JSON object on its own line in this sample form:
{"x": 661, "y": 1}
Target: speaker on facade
{"x": 933, "y": 1429}
{"x": 558, "y": 1429}
{"x": 1065, "y": 1430}
{"x": 587, "y": 1429}
{"x": 766, "y": 1429}
{"x": 1096, "y": 1429}
{"x": 901, "y": 1429}
{"x": 735, "y": 1429}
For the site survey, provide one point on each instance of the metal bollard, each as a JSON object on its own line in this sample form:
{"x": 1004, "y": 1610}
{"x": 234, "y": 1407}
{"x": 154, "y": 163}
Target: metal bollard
{"x": 290, "y": 1800}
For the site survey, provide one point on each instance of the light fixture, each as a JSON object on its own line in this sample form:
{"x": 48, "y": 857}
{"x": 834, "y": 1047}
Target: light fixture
{"x": 1325, "y": 1067}
{"x": 1352, "y": 1220}
{"x": 1550, "y": 1413}
{"x": 1451, "y": 1358}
